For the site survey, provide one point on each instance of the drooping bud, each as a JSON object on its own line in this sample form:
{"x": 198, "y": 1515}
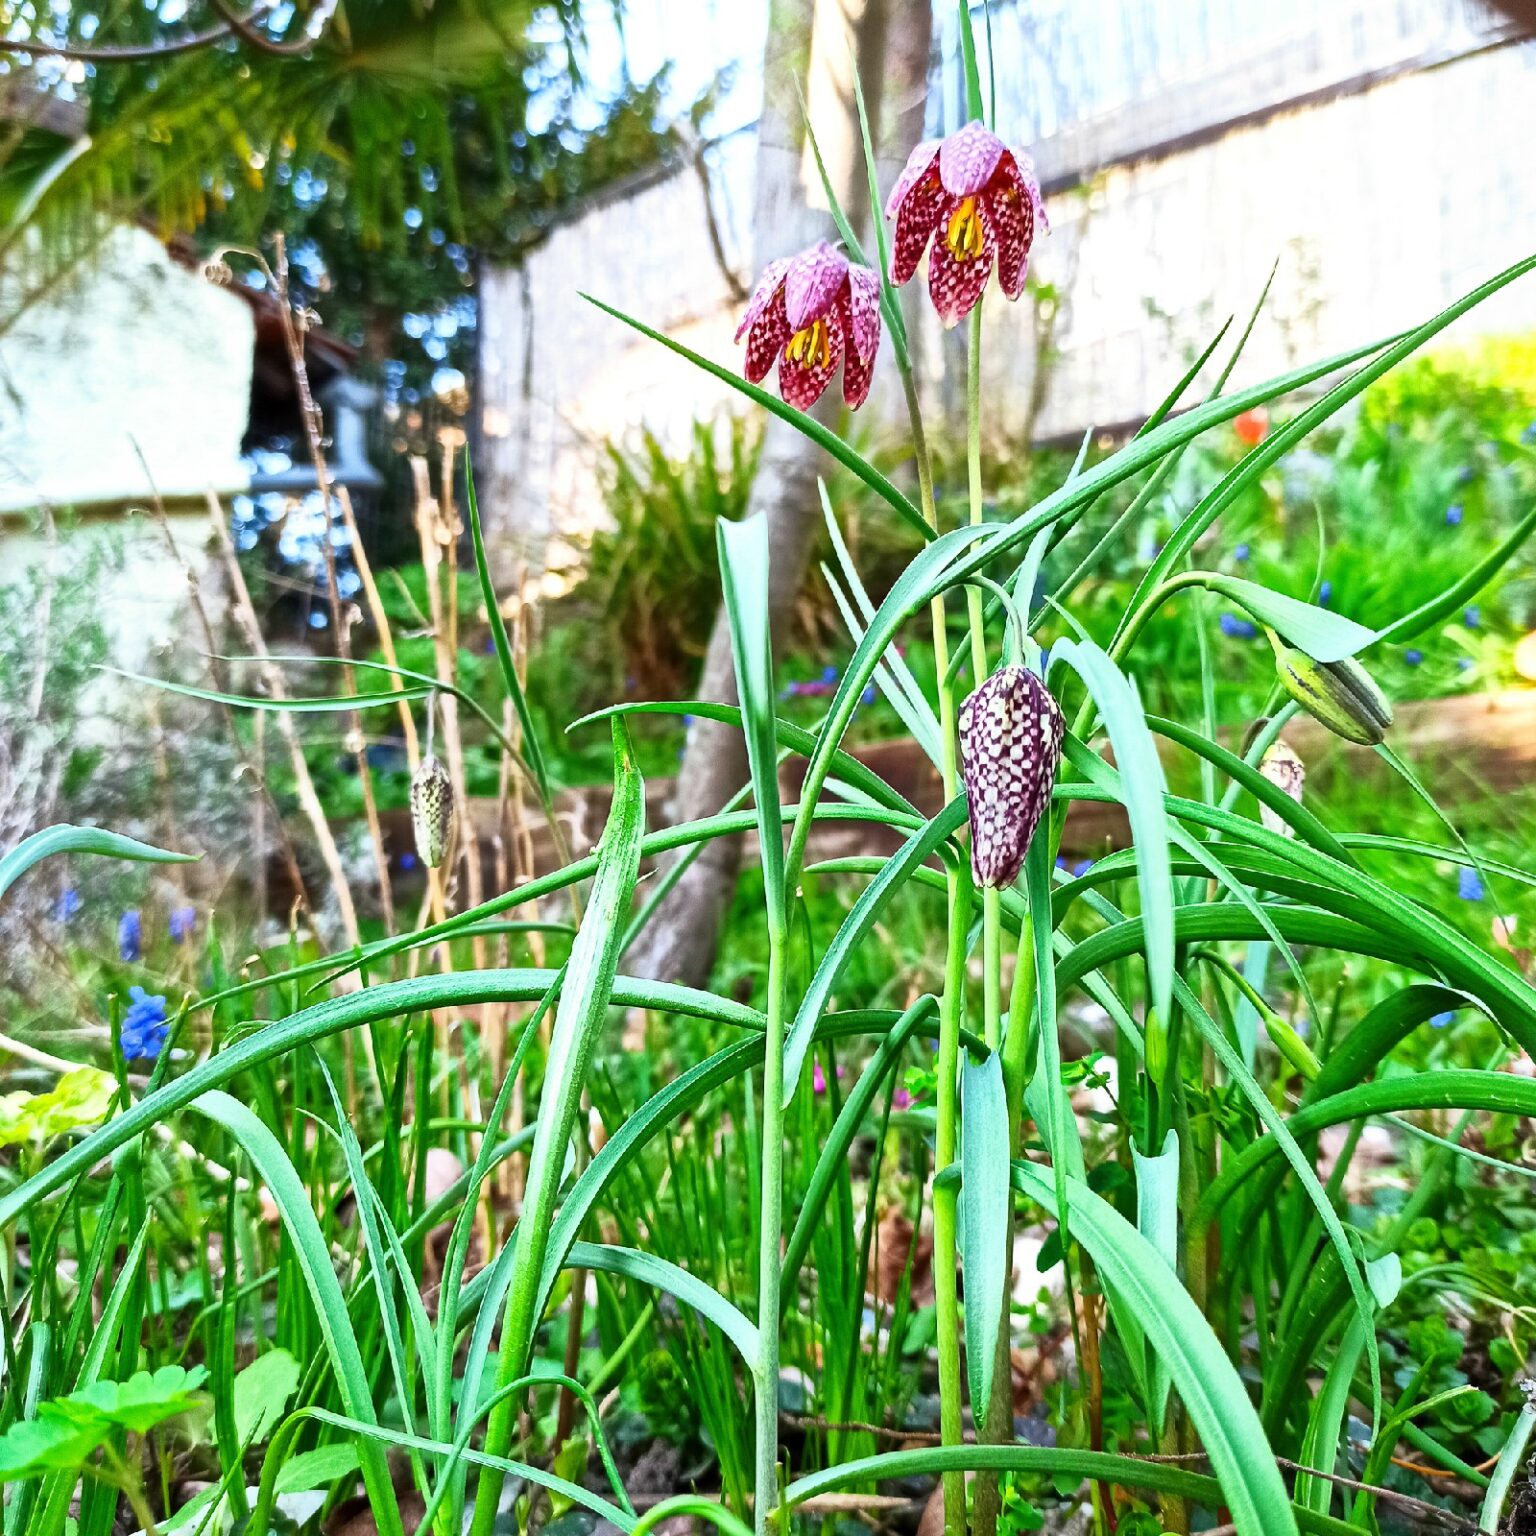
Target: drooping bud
{"x": 1156, "y": 1046}
{"x": 1281, "y": 766}
{"x": 1010, "y": 745}
{"x": 1340, "y": 694}
{"x": 1290, "y": 1045}
{"x": 431, "y": 811}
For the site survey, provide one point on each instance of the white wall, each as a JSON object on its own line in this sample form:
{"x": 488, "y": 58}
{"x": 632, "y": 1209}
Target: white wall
{"x": 129, "y": 347}
{"x": 1382, "y": 206}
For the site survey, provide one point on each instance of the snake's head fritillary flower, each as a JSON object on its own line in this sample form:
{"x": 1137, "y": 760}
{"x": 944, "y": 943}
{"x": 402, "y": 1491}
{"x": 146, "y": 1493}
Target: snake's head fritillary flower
{"x": 1010, "y": 746}
{"x": 432, "y": 810}
{"x": 978, "y": 200}
{"x": 1286, "y": 771}
{"x": 812, "y": 313}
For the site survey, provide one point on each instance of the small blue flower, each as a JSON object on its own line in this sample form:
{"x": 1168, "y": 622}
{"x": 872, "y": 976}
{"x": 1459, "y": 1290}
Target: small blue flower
{"x": 1082, "y": 867}
{"x": 1473, "y": 617}
{"x": 829, "y": 674}
{"x": 1469, "y": 885}
{"x": 1453, "y": 514}
{"x": 1235, "y": 628}
{"x": 130, "y": 935}
{"x": 1061, "y": 862}
{"x": 1440, "y": 1020}
{"x": 67, "y": 905}
{"x": 180, "y": 923}
{"x": 1325, "y": 593}
{"x": 144, "y": 1027}
{"x": 868, "y": 696}
{"x": 1413, "y": 656}
{"x": 687, "y": 722}
{"x": 407, "y": 861}
{"x": 1241, "y": 553}
{"x": 1464, "y": 663}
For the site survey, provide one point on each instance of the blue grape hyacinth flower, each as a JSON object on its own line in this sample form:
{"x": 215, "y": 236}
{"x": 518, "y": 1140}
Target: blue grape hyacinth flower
{"x": 1469, "y": 884}
{"x": 1235, "y": 628}
{"x": 130, "y": 935}
{"x": 144, "y": 1028}
{"x": 67, "y": 905}
{"x": 180, "y": 923}
{"x": 1453, "y": 515}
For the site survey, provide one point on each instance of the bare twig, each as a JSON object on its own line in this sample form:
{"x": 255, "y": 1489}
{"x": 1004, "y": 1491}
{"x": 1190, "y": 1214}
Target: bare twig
{"x": 304, "y": 784}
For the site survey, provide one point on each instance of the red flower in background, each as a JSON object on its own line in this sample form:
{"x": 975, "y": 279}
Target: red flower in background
{"x": 979, "y": 200}
{"x": 1252, "y": 427}
{"x": 808, "y": 313}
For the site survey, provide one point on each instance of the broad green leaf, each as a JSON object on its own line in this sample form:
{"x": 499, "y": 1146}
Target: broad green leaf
{"x": 533, "y": 750}
{"x": 744, "y": 556}
{"x": 1280, "y": 442}
{"x": 807, "y": 425}
{"x": 262, "y": 1391}
{"x": 1208, "y": 1383}
{"x": 314, "y": 704}
{"x": 317, "y": 1469}
{"x": 861, "y": 918}
{"x": 1323, "y": 635}
{"x": 688, "y": 1289}
{"x": 70, "y": 839}
{"x": 1141, "y": 788}
{"x": 79, "y": 1098}
{"x": 1066, "y": 1466}
{"x": 1157, "y": 1219}
{"x": 313, "y": 1258}
{"x": 388, "y": 1000}
{"x": 66, "y": 1431}
{"x": 1508, "y": 1466}
{"x": 585, "y": 999}
{"x": 985, "y": 1207}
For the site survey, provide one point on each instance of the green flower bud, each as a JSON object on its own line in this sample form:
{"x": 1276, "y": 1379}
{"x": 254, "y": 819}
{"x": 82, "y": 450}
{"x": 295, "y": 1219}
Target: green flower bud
{"x": 1340, "y": 694}
{"x": 1290, "y": 1045}
{"x": 1156, "y": 1046}
{"x": 431, "y": 811}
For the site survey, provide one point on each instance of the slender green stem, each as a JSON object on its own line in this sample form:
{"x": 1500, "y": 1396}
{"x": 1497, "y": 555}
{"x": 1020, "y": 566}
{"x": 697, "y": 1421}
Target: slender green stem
{"x": 945, "y": 1300}
{"x": 770, "y": 1225}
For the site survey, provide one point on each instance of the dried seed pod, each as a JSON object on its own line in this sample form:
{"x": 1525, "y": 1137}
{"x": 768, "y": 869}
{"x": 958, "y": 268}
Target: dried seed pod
{"x": 1281, "y": 766}
{"x": 1340, "y": 694}
{"x": 431, "y": 811}
{"x": 1010, "y": 745}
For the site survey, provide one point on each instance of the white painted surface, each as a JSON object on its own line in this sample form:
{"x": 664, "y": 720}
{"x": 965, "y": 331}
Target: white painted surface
{"x": 1381, "y": 206}
{"x": 129, "y": 348}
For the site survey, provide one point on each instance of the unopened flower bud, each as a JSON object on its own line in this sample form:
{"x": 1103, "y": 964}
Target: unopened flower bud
{"x": 1010, "y": 745}
{"x": 1340, "y": 694}
{"x": 219, "y": 273}
{"x": 1281, "y": 766}
{"x": 1290, "y": 1045}
{"x": 1156, "y": 1046}
{"x": 431, "y": 811}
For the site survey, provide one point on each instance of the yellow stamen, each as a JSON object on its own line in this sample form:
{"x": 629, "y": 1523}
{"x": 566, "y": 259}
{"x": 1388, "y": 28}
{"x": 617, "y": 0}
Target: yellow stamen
{"x": 812, "y": 346}
{"x": 964, "y": 235}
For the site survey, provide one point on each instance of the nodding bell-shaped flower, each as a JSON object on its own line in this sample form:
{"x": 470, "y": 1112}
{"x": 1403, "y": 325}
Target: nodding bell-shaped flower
{"x": 1011, "y": 732}
{"x": 811, "y": 313}
{"x": 1286, "y": 771}
{"x": 432, "y": 811}
{"x": 977, "y": 199}
{"x": 1340, "y": 694}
